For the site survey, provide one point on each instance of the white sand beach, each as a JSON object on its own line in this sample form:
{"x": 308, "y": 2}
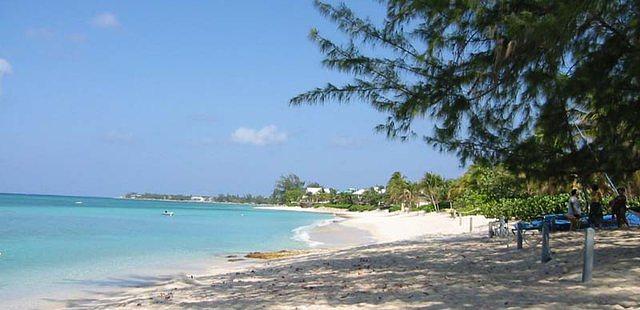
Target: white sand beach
{"x": 383, "y": 226}
{"x": 411, "y": 261}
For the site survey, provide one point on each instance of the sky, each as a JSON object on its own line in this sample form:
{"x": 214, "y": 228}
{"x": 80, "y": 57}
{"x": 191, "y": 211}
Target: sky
{"x": 101, "y": 98}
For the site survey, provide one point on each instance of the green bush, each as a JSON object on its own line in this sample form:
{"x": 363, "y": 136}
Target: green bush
{"x": 333, "y": 205}
{"x": 426, "y": 208}
{"x": 350, "y": 207}
{"x": 634, "y": 204}
{"x": 394, "y": 208}
{"x": 470, "y": 202}
{"x": 362, "y": 208}
{"x": 525, "y": 208}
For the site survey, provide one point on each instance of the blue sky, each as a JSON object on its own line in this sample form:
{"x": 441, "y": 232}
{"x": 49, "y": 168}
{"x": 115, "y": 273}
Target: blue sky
{"x": 102, "y": 98}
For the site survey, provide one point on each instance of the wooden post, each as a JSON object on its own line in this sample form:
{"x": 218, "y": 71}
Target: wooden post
{"x": 546, "y": 254}
{"x": 470, "y": 224}
{"x": 460, "y": 220}
{"x": 519, "y": 235}
{"x": 491, "y": 230}
{"x": 589, "y": 242}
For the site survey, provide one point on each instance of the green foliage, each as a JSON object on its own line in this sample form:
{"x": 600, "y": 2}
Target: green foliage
{"x": 634, "y": 203}
{"x": 434, "y": 187}
{"x": 371, "y": 197}
{"x": 247, "y": 198}
{"x": 333, "y": 205}
{"x": 425, "y": 208}
{"x": 344, "y": 198}
{"x": 288, "y": 183}
{"x": 395, "y": 187}
{"x": 526, "y": 208}
{"x": 293, "y": 196}
{"x": 501, "y": 81}
{"x": 350, "y": 207}
{"x": 493, "y": 191}
{"x": 362, "y": 208}
{"x": 314, "y": 184}
{"x": 491, "y": 182}
{"x": 469, "y": 201}
{"x": 399, "y": 190}
{"x": 394, "y": 208}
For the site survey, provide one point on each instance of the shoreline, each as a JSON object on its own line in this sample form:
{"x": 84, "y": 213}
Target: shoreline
{"x": 383, "y": 226}
{"x": 462, "y": 271}
{"x": 347, "y": 231}
{"x": 326, "y": 210}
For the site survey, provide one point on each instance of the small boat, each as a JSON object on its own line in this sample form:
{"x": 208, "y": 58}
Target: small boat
{"x": 167, "y": 213}
{"x": 78, "y": 202}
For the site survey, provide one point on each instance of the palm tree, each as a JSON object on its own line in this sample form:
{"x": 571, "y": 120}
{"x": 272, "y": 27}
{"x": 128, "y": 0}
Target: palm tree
{"x": 407, "y": 200}
{"x": 434, "y": 187}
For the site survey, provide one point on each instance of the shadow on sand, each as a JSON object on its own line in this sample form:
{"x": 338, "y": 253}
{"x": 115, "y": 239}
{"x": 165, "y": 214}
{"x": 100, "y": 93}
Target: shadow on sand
{"x": 463, "y": 272}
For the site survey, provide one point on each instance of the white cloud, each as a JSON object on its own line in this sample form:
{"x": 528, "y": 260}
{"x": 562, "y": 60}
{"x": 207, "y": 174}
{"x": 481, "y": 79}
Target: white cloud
{"x": 267, "y": 135}
{"x": 105, "y": 20}
{"x": 5, "y": 68}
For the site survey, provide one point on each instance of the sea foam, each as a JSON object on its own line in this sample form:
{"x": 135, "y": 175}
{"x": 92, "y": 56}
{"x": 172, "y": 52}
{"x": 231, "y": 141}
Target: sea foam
{"x": 302, "y": 233}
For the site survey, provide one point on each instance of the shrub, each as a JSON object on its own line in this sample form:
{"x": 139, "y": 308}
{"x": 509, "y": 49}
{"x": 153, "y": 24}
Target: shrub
{"x": 426, "y": 208}
{"x": 333, "y": 205}
{"x": 525, "y": 208}
{"x": 350, "y": 207}
{"x": 361, "y": 208}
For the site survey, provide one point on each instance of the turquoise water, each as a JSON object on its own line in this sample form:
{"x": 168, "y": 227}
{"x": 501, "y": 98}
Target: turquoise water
{"x": 53, "y": 242}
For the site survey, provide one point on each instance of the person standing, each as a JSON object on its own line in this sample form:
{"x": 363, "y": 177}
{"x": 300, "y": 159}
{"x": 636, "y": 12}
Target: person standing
{"x": 619, "y": 207}
{"x": 595, "y": 207}
{"x": 573, "y": 210}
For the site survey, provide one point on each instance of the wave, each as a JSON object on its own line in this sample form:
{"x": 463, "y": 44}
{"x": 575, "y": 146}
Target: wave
{"x": 302, "y": 233}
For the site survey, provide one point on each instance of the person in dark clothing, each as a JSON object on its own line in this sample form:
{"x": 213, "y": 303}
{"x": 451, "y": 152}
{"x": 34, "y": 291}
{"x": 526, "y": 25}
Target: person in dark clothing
{"x": 619, "y": 207}
{"x": 595, "y": 208}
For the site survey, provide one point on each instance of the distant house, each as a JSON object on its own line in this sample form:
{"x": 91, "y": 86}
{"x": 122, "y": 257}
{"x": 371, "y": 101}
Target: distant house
{"x": 359, "y": 192}
{"x": 198, "y": 198}
{"x": 423, "y": 201}
{"x": 379, "y": 190}
{"x": 317, "y": 190}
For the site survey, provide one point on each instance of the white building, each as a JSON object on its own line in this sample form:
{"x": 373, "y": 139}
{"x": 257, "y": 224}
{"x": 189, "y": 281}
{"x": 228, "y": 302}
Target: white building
{"x": 359, "y": 192}
{"x": 317, "y": 190}
{"x": 379, "y": 190}
{"x": 197, "y": 198}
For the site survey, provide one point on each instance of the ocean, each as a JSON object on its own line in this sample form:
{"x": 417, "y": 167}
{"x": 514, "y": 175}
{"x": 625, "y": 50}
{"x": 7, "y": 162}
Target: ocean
{"x": 52, "y": 246}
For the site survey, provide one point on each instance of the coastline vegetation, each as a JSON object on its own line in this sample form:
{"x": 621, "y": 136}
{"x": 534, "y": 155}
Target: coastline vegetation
{"x": 222, "y": 198}
{"x": 492, "y": 191}
{"x": 542, "y": 97}
{"x": 534, "y": 125}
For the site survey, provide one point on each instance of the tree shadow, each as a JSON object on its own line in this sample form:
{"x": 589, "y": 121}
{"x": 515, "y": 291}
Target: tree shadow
{"x": 468, "y": 272}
